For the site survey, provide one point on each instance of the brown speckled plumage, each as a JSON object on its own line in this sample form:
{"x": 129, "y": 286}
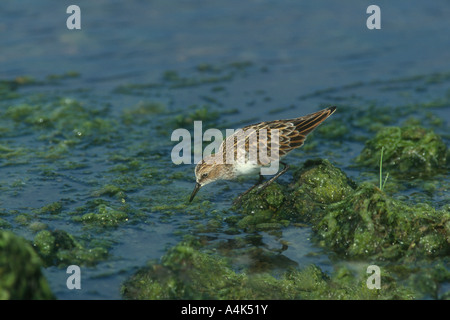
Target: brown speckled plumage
{"x": 291, "y": 133}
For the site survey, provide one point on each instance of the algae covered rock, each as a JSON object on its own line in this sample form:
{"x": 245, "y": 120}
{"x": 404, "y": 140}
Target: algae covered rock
{"x": 262, "y": 209}
{"x": 184, "y": 273}
{"x": 60, "y": 248}
{"x": 315, "y": 185}
{"x": 410, "y": 151}
{"x": 187, "y": 273}
{"x": 371, "y": 224}
{"x": 105, "y": 216}
{"x": 20, "y": 270}
{"x": 354, "y": 221}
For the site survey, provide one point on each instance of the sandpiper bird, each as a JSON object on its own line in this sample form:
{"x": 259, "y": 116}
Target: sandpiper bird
{"x": 291, "y": 134}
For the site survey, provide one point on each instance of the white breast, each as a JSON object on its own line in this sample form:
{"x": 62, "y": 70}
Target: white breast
{"x": 247, "y": 167}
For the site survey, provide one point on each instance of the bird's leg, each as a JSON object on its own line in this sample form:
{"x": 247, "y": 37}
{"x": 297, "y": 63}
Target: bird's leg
{"x": 264, "y": 185}
{"x": 238, "y": 199}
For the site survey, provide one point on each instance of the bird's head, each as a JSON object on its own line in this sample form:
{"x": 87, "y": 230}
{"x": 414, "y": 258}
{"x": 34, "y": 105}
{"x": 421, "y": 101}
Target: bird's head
{"x": 207, "y": 172}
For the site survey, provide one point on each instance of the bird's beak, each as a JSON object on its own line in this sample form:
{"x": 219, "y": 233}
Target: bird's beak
{"x": 197, "y": 187}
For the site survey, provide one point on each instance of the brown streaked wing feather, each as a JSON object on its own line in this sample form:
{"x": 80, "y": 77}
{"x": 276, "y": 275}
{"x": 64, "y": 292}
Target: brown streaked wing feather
{"x": 306, "y": 124}
{"x": 292, "y": 132}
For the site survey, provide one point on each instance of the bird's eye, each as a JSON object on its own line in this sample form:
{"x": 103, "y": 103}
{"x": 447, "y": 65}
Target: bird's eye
{"x": 204, "y": 175}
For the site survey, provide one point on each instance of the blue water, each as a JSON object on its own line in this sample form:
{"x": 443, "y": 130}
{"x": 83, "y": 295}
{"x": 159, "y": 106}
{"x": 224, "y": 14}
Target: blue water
{"x": 304, "y": 46}
{"x": 314, "y": 45}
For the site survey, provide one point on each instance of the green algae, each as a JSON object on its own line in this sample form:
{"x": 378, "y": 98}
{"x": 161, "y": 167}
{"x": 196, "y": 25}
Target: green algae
{"x": 52, "y": 208}
{"x": 23, "y": 219}
{"x": 105, "y": 216}
{"x": 15, "y": 154}
{"x": 61, "y": 249}
{"x": 109, "y": 190}
{"x": 408, "y": 151}
{"x": 20, "y": 270}
{"x": 420, "y": 80}
{"x": 428, "y": 280}
{"x": 355, "y": 221}
{"x": 371, "y": 224}
{"x": 55, "y": 127}
{"x": 315, "y": 185}
{"x": 261, "y": 210}
{"x": 187, "y": 273}
{"x": 335, "y": 130}
{"x": 37, "y": 226}
{"x": 208, "y": 74}
{"x": 63, "y": 76}
{"x": 142, "y": 113}
{"x": 8, "y": 88}
{"x": 4, "y": 224}
{"x": 136, "y": 89}
{"x": 198, "y": 113}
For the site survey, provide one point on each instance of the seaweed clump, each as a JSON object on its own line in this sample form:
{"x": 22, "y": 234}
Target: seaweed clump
{"x": 409, "y": 152}
{"x": 317, "y": 184}
{"x": 354, "y": 221}
{"x": 369, "y": 223}
{"x": 187, "y": 273}
{"x": 60, "y": 248}
{"x": 20, "y": 270}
